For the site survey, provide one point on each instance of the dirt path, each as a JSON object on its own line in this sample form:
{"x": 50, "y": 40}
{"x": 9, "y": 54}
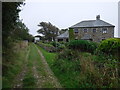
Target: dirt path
{"x": 40, "y": 71}
{"x": 49, "y": 77}
{"x": 36, "y": 75}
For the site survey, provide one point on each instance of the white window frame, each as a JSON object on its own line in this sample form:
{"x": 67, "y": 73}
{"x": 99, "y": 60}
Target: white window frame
{"x": 85, "y": 29}
{"x": 95, "y": 30}
{"x": 75, "y": 30}
{"x": 104, "y": 30}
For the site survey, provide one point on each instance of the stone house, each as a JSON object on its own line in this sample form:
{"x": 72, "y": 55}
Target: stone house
{"x": 94, "y": 30}
{"x": 63, "y": 37}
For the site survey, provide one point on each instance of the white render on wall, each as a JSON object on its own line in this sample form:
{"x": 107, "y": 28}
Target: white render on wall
{"x": 36, "y": 39}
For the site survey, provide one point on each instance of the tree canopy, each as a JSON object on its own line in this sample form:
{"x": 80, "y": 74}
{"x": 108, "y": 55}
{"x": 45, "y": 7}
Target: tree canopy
{"x": 22, "y": 32}
{"x": 10, "y": 15}
{"x": 63, "y": 31}
{"x": 48, "y": 30}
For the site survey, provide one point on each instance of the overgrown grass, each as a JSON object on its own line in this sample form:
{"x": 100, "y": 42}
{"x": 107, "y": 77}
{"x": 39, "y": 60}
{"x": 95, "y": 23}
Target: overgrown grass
{"x": 14, "y": 67}
{"x": 48, "y": 56}
{"x": 29, "y": 81}
{"x": 85, "y": 71}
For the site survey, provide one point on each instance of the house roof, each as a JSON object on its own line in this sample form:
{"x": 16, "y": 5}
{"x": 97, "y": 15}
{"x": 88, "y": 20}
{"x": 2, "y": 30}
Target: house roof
{"x": 64, "y": 35}
{"x": 92, "y": 23}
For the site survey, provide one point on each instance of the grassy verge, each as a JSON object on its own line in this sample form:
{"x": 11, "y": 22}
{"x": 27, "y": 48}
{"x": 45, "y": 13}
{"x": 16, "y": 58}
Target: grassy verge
{"x": 14, "y": 67}
{"x": 48, "y": 56}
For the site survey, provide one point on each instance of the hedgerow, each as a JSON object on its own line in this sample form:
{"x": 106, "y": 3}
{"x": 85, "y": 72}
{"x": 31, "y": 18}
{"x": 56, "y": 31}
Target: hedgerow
{"x": 83, "y": 45}
{"x": 110, "y": 46}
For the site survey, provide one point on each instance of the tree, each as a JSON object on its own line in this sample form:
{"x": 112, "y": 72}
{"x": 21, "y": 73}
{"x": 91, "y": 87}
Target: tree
{"x": 10, "y": 15}
{"x": 21, "y": 32}
{"x": 12, "y": 30}
{"x": 12, "y": 27}
{"x": 63, "y": 30}
{"x": 48, "y": 30}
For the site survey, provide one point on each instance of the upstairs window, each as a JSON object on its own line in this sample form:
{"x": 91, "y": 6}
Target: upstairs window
{"x": 75, "y": 30}
{"x": 104, "y": 30}
{"x": 85, "y": 30}
{"x": 94, "y": 30}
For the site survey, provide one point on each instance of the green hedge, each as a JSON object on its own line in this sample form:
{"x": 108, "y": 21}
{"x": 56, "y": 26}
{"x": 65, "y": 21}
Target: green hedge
{"x": 110, "y": 46}
{"x": 83, "y": 45}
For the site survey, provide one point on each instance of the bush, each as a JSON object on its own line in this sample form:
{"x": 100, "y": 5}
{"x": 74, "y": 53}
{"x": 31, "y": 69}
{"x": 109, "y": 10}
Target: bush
{"x": 58, "y": 45}
{"x": 67, "y": 60}
{"x": 68, "y": 54}
{"x": 83, "y": 45}
{"x": 110, "y": 46}
{"x": 55, "y": 44}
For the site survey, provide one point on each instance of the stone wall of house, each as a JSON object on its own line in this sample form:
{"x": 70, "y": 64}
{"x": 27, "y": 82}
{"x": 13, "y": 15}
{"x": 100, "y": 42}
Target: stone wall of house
{"x": 95, "y": 36}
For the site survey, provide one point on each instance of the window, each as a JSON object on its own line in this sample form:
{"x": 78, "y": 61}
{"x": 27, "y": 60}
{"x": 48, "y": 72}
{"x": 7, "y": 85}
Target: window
{"x": 76, "y": 30}
{"x": 94, "y": 30}
{"x": 104, "y": 31}
{"x": 103, "y": 38}
{"x": 91, "y": 39}
{"x": 85, "y": 30}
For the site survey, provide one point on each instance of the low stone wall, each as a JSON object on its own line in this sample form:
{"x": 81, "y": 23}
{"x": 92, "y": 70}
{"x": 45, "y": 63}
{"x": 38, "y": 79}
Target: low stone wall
{"x": 23, "y": 44}
{"x": 20, "y": 45}
{"x": 47, "y": 47}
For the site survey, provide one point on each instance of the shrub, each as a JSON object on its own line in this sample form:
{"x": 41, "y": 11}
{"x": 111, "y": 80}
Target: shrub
{"x": 98, "y": 73}
{"x": 68, "y": 54}
{"x": 110, "y": 46}
{"x": 83, "y": 45}
{"x": 55, "y": 44}
{"x": 59, "y": 46}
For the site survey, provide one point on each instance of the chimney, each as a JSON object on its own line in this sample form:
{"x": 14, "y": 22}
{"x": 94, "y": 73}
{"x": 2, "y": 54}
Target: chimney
{"x": 98, "y": 17}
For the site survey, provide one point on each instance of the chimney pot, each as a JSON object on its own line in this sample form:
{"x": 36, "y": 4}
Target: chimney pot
{"x": 98, "y": 17}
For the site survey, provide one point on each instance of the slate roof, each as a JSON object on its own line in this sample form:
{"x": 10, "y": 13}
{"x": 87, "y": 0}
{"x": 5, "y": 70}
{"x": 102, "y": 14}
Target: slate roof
{"x": 92, "y": 23}
{"x": 64, "y": 35}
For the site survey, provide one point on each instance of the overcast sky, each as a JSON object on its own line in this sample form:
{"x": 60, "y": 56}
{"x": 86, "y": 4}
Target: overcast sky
{"x": 65, "y": 13}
